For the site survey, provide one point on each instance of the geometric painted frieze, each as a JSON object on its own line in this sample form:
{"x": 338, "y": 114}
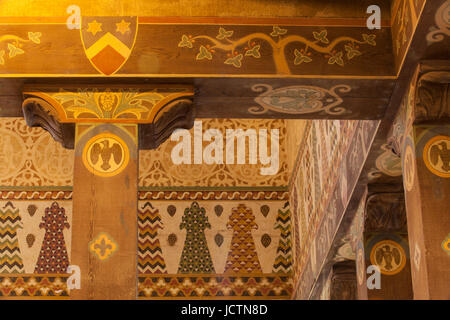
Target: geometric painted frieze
{"x": 163, "y": 194}
{"x": 209, "y": 237}
{"x": 32, "y": 285}
{"x": 266, "y": 286}
{"x": 35, "y": 236}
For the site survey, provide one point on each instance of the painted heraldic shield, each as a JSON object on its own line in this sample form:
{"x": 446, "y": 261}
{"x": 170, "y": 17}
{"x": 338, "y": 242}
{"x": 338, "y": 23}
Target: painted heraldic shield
{"x": 108, "y": 41}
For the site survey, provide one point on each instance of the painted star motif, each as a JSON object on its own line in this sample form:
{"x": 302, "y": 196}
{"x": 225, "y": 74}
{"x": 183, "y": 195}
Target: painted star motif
{"x": 94, "y": 27}
{"x": 122, "y": 27}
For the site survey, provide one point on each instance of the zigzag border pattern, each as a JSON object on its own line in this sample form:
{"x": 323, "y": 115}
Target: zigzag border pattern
{"x": 10, "y": 256}
{"x": 150, "y": 259}
{"x": 31, "y": 285}
{"x": 270, "y": 286}
{"x": 283, "y": 260}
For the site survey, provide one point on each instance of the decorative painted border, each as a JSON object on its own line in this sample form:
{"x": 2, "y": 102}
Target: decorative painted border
{"x": 31, "y": 285}
{"x": 297, "y": 21}
{"x": 213, "y": 195}
{"x": 267, "y": 286}
{"x": 36, "y": 194}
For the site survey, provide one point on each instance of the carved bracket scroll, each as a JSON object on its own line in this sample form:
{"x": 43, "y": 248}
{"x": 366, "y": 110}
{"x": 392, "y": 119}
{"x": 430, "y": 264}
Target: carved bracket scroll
{"x": 158, "y": 110}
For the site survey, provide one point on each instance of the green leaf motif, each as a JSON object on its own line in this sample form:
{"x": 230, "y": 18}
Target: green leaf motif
{"x": 185, "y": 42}
{"x": 337, "y": 59}
{"x": 369, "y": 39}
{"x": 321, "y": 36}
{"x": 351, "y": 52}
{"x": 223, "y": 34}
{"x": 235, "y": 61}
{"x": 277, "y": 31}
{"x": 35, "y": 36}
{"x": 300, "y": 58}
{"x": 203, "y": 54}
{"x": 254, "y": 52}
{"x": 14, "y": 51}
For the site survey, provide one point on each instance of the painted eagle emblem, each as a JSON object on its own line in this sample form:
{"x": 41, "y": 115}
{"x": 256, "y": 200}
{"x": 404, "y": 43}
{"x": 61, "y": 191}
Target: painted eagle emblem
{"x": 104, "y": 151}
{"x": 388, "y": 254}
{"x": 440, "y": 151}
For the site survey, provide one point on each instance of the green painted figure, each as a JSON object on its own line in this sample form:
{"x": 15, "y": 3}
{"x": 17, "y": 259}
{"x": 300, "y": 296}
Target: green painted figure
{"x": 195, "y": 257}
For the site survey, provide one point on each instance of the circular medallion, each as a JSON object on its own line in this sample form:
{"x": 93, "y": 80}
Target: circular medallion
{"x": 436, "y": 156}
{"x": 389, "y": 256}
{"x": 446, "y": 245}
{"x": 106, "y": 155}
{"x": 409, "y": 168}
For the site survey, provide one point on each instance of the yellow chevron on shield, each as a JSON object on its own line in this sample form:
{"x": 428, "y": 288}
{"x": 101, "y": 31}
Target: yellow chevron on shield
{"x": 108, "y": 41}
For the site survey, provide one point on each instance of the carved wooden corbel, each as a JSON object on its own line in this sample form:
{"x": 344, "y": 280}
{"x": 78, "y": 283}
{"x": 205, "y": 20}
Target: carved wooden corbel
{"x": 181, "y": 115}
{"x": 37, "y": 113}
{"x": 385, "y": 212}
{"x": 156, "y": 110}
{"x": 432, "y": 96}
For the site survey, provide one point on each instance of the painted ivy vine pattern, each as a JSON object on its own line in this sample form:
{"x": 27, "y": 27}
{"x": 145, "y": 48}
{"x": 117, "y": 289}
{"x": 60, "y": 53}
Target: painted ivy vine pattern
{"x": 337, "y": 51}
{"x": 12, "y": 45}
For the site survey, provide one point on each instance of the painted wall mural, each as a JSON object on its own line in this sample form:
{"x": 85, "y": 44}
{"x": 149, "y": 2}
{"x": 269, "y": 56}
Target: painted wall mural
{"x": 157, "y": 169}
{"x": 338, "y": 51}
{"x": 14, "y": 45}
{"x": 39, "y": 236}
{"x": 205, "y": 234}
{"x": 119, "y": 45}
{"x": 35, "y": 244}
{"x": 219, "y": 241}
{"x": 330, "y": 156}
{"x": 29, "y": 157}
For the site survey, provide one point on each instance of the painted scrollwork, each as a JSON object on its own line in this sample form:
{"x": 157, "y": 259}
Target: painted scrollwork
{"x": 299, "y": 99}
{"x": 442, "y": 19}
{"x": 30, "y": 157}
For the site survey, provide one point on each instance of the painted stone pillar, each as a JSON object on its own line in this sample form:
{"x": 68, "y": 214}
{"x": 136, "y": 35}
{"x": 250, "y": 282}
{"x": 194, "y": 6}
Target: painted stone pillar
{"x": 426, "y": 177}
{"x": 107, "y": 127}
{"x": 384, "y": 244}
